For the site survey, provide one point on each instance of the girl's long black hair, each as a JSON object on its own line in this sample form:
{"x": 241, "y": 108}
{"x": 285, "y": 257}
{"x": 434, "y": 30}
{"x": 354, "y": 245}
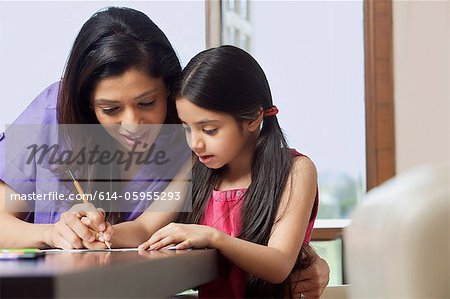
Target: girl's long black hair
{"x": 228, "y": 79}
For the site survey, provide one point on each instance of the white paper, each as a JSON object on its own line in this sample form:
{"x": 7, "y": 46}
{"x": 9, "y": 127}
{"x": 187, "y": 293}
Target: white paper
{"x": 96, "y": 250}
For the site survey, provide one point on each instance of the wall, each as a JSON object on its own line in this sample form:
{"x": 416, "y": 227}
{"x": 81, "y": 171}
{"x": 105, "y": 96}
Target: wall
{"x": 421, "y": 65}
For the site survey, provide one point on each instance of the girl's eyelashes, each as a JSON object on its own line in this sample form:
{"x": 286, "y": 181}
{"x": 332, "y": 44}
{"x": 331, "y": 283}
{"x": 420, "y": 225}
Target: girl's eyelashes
{"x": 210, "y": 132}
{"x": 187, "y": 129}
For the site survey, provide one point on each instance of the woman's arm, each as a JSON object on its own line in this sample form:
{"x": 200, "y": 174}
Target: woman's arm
{"x": 17, "y": 233}
{"x": 69, "y": 232}
{"x": 273, "y": 262}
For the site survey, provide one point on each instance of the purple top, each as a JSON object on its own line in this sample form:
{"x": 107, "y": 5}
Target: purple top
{"x": 28, "y": 178}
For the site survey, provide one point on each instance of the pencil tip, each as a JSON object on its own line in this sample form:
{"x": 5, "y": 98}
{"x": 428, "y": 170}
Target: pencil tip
{"x": 71, "y": 174}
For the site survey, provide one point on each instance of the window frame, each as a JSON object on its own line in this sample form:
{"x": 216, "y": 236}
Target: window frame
{"x": 379, "y": 92}
{"x": 213, "y": 23}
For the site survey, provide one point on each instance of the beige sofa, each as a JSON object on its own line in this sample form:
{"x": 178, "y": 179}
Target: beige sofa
{"x": 398, "y": 243}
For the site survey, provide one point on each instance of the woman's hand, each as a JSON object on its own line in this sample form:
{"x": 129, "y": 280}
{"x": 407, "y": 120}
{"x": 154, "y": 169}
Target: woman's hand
{"x": 312, "y": 281}
{"x": 78, "y": 227}
{"x": 184, "y": 235}
{"x": 104, "y": 230}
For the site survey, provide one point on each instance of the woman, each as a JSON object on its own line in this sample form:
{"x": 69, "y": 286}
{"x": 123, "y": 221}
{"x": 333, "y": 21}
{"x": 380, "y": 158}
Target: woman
{"x": 120, "y": 74}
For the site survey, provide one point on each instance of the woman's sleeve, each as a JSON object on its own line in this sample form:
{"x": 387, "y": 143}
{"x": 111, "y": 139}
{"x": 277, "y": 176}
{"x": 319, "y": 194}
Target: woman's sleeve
{"x": 16, "y": 168}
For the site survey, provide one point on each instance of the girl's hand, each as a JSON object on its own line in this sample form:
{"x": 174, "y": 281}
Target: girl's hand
{"x": 184, "y": 235}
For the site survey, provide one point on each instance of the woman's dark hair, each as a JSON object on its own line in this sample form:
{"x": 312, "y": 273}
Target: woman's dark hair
{"x": 111, "y": 42}
{"x": 228, "y": 79}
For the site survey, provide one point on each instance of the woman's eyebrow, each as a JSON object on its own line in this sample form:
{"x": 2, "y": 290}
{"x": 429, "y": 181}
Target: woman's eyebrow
{"x": 142, "y": 95}
{"x": 147, "y": 93}
{"x": 106, "y": 101}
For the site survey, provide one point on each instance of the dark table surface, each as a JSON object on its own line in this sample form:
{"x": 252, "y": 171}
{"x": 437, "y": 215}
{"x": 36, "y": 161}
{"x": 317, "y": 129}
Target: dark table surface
{"x": 146, "y": 274}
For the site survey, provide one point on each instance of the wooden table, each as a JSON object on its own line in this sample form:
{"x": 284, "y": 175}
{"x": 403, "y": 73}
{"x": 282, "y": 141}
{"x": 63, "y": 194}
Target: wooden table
{"x": 149, "y": 274}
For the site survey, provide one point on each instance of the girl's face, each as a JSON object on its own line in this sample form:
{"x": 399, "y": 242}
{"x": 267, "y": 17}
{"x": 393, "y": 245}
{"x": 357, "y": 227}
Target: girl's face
{"x": 132, "y": 107}
{"x": 216, "y": 138}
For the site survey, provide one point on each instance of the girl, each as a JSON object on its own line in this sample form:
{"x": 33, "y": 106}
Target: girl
{"x": 255, "y": 200}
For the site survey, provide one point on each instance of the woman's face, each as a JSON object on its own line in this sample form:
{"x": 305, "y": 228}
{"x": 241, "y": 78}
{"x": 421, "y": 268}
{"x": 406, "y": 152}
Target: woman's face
{"x": 132, "y": 107}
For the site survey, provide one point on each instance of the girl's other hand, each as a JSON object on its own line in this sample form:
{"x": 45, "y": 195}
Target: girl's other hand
{"x": 184, "y": 235}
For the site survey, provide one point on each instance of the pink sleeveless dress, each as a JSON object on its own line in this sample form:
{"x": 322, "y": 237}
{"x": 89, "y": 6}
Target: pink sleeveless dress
{"x": 223, "y": 212}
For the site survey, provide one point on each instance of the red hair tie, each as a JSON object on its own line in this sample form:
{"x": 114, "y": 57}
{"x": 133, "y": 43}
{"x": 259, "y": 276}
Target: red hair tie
{"x": 270, "y": 111}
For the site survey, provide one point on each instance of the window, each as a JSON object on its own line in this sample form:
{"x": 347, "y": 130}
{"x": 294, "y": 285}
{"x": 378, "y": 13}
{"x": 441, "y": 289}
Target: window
{"x": 237, "y": 24}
